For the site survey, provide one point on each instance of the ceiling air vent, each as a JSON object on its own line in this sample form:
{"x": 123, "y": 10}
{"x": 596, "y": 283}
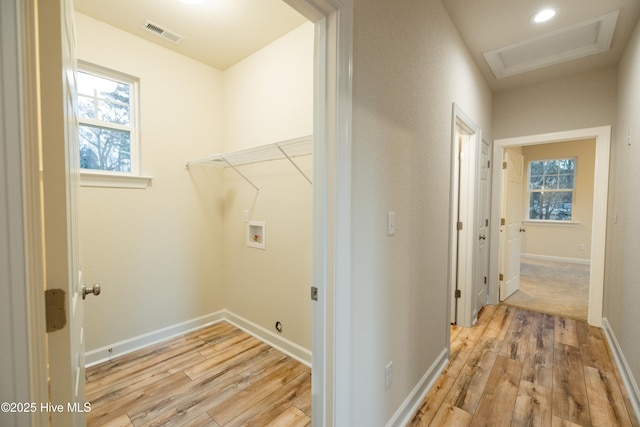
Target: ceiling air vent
{"x": 158, "y": 30}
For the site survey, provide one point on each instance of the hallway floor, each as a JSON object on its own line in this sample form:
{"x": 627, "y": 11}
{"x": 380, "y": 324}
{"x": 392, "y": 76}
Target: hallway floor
{"x": 522, "y": 368}
{"x": 556, "y": 288}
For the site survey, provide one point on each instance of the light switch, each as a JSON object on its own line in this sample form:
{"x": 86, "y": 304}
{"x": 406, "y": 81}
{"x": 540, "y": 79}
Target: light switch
{"x": 391, "y": 223}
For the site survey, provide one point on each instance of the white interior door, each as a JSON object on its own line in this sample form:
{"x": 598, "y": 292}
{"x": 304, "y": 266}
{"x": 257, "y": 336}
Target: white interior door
{"x": 60, "y": 188}
{"x": 512, "y": 213}
{"x": 481, "y": 276}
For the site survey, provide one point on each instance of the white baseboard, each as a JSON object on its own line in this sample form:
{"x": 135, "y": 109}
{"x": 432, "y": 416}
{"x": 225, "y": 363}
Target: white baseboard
{"x": 557, "y": 258}
{"x": 623, "y": 367}
{"x": 289, "y": 348}
{"x": 412, "y": 403}
{"x": 130, "y": 345}
{"x": 121, "y": 348}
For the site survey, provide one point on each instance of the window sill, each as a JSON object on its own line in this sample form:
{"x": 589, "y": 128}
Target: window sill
{"x": 553, "y": 223}
{"x": 92, "y": 179}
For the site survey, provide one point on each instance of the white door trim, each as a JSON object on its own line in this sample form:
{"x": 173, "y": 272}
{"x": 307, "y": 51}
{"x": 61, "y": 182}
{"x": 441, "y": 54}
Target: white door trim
{"x": 602, "y": 135}
{"x": 23, "y": 369}
{"x": 461, "y": 244}
{"x": 331, "y": 317}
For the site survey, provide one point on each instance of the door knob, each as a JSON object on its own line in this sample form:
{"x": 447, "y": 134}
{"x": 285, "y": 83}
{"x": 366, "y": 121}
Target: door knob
{"x": 483, "y": 237}
{"x": 522, "y": 230}
{"x": 95, "y": 289}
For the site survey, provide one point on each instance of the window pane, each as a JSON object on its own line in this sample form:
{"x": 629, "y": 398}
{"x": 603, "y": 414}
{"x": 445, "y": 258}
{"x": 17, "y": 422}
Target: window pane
{"x": 554, "y": 205}
{"x": 113, "y": 113}
{"x": 536, "y": 183}
{"x": 566, "y": 182}
{"x": 566, "y": 166}
{"x": 86, "y": 107}
{"x": 551, "y": 167}
{"x": 104, "y": 149}
{"x": 537, "y": 168}
{"x": 551, "y": 182}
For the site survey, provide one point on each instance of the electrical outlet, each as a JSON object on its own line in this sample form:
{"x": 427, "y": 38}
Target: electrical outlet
{"x": 388, "y": 375}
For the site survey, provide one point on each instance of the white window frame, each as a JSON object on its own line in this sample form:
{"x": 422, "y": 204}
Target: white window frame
{"x": 102, "y": 178}
{"x": 572, "y": 221}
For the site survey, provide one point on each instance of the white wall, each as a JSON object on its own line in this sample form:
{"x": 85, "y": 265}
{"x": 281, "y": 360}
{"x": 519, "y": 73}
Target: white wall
{"x": 622, "y": 293}
{"x": 157, "y": 252}
{"x": 409, "y": 66}
{"x": 576, "y": 102}
{"x": 268, "y": 97}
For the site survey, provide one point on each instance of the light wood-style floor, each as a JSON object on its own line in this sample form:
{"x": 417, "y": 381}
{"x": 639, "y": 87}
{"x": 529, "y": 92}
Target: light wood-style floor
{"x": 217, "y": 376}
{"x": 513, "y": 368}
{"x": 521, "y": 368}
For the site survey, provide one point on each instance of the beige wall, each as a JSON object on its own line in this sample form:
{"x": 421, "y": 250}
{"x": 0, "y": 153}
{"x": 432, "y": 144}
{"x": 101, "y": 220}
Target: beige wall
{"x": 157, "y": 252}
{"x": 622, "y": 293}
{"x": 178, "y": 251}
{"x": 409, "y": 65}
{"x": 580, "y": 101}
{"x": 563, "y": 240}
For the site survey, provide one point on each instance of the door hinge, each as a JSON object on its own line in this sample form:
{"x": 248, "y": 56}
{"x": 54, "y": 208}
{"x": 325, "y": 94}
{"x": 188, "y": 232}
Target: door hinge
{"x": 459, "y": 225}
{"x": 458, "y": 293}
{"x": 485, "y": 280}
{"x": 55, "y": 307}
{"x": 486, "y": 222}
{"x": 314, "y": 293}
{"x": 488, "y": 164}
{"x": 503, "y": 221}
{"x": 500, "y": 277}
{"x": 504, "y": 165}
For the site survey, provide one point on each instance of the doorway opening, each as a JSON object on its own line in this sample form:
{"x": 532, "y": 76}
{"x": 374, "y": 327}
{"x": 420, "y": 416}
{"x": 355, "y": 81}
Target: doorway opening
{"x": 501, "y": 253}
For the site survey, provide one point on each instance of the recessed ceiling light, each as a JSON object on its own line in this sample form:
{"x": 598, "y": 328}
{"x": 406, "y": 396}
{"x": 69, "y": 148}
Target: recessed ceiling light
{"x": 543, "y": 16}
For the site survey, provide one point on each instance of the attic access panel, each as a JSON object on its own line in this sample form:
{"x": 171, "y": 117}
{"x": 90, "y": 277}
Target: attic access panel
{"x": 583, "y": 39}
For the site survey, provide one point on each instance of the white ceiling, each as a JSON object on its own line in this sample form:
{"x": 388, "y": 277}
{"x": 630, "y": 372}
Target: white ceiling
{"x": 217, "y": 32}
{"x": 493, "y": 24}
{"x": 223, "y": 32}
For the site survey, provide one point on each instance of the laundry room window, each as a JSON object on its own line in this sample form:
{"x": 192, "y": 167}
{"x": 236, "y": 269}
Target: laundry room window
{"x": 551, "y": 189}
{"x": 107, "y": 123}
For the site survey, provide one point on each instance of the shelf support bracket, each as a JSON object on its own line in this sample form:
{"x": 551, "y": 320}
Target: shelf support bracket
{"x": 293, "y": 163}
{"x": 239, "y": 173}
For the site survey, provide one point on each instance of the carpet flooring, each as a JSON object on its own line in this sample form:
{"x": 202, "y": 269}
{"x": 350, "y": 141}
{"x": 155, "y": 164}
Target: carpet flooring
{"x": 556, "y": 288}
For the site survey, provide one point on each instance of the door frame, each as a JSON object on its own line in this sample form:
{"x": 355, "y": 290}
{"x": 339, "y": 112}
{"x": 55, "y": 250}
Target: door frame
{"x": 462, "y": 207}
{"x": 602, "y": 135}
{"x": 331, "y": 390}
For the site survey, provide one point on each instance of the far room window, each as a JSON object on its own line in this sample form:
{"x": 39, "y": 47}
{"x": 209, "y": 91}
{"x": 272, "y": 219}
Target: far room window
{"x": 551, "y": 186}
{"x": 107, "y": 121}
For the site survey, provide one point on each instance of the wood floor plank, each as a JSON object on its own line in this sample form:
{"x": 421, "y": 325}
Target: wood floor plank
{"x": 497, "y": 403}
{"x": 593, "y": 347}
{"x": 274, "y": 404}
{"x": 121, "y": 421}
{"x": 451, "y": 416}
{"x": 605, "y": 399}
{"x": 566, "y": 332}
{"x": 569, "y": 387}
{"x": 516, "y": 339}
{"x": 188, "y": 401}
{"x": 229, "y": 409}
{"x": 460, "y": 350}
{"x": 499, "y": 322}
{"x": 470, "y": 384}
{"x": 292, "y": 417}
{"x": 432, "y": 402}
{"x": 103, "y": 410}
{"x": 533, "y": 406}
{"x": 538, "y": 366}
{"x": 559, "y": 422}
